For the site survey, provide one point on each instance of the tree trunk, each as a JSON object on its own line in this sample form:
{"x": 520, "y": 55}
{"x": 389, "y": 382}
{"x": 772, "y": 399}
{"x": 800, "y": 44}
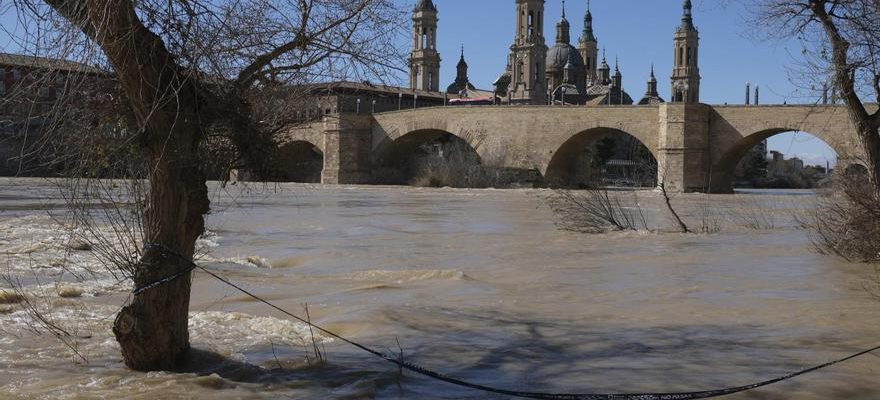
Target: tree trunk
{"x": 871, "y": 143}
{"x": 153, "y": 330}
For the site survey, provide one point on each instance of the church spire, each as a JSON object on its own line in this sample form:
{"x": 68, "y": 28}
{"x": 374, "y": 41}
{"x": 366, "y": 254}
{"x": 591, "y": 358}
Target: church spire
{"x": 425, "y": 5}
{"x": 687, "y": 18}
{"x": 462, "y": 83}
{"x": 528, "y": 55}
{"x": 424, "y": 60}
{"x": 568, "y": 71}
{"x": 604, "y": 71}
{"x": 462, "y": 68}
{"x": 651, "y": 95}
{"x": 588, "y": 47}
{"x": 563, "y": 28}
{"x": 587, "y": 35}
{"x": 686, "y": 66}
{"x": 652, "y": 84}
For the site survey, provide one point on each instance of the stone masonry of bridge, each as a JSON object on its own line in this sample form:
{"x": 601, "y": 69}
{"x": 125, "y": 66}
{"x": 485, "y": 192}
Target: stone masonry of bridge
{"x": 697, "y": 146}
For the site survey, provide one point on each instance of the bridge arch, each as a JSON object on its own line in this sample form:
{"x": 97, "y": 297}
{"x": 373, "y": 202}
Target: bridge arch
{"x": 573, "y": 163}
{"x": 724, "y": 167}
{"x": 299, "y": 161}
{"x": 439, "y": 156}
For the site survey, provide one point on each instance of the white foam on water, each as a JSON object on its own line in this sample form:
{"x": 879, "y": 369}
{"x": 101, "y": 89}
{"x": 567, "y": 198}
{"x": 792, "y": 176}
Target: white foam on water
{"x": 41, "y": 242}
{"x": 208, "y": 240}
{"x": 237, "y": 330}
{"x": 245, "y": 261}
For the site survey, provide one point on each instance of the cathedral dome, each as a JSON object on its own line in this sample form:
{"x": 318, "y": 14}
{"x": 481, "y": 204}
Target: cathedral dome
{"x": 562, "y": 53}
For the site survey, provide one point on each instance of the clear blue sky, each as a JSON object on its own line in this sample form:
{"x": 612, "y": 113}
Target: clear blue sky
{"x": 639, "y": 32}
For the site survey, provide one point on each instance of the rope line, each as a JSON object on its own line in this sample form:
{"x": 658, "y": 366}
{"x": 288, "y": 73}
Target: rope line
{"x": 462, "y": 383}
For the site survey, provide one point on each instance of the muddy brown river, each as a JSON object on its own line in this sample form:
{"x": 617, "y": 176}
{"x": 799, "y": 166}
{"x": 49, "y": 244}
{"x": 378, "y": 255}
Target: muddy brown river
{"x": 477, "y": 284}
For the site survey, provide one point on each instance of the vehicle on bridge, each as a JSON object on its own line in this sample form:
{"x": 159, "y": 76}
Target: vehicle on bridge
{"x": 481, "y": 101}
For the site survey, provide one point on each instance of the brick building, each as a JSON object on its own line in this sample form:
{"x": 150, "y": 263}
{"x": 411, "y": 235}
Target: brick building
{"x": 30, "y": 89}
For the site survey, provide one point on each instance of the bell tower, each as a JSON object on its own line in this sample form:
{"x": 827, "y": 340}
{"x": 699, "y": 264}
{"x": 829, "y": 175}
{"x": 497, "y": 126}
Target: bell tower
{"x": 528, "y": 54}
{"x": 588, "y": 46}
{"x": 424, "y": 60}
{"x": 686, "y": 69}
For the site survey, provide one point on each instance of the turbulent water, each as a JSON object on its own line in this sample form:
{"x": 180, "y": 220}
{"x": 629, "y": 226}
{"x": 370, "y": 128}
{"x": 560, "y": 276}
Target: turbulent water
{"x": 478, "y": 284}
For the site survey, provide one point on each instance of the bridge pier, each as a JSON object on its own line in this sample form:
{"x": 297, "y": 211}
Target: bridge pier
{"x": 683, "y": 147}
{"x": 347, "y": 149}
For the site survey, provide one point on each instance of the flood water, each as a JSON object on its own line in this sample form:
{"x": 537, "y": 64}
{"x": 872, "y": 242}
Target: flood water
{"x": 477, "y": 284}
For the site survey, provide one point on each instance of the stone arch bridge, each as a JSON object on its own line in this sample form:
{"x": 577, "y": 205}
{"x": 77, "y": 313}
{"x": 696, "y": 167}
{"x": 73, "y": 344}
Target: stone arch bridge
{"x": 697, "y": 146}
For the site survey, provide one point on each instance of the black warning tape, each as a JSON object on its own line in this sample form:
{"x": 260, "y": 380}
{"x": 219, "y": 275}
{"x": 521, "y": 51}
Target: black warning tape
{"x": 169, "y": 278}
{"x": 458, "y": 382}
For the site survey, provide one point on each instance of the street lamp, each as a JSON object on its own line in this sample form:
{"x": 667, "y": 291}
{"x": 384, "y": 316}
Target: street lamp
{"x": 399, "y": 101}
{"x": 358, "y": 110}
{"x": 560, "y": 88}
{"x": 373, "y": 109}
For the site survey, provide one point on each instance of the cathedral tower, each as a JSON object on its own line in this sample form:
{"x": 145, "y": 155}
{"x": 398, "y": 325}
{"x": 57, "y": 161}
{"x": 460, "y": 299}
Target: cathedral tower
{"x": 527, "y": 54}
{"x": 686, "y": 71}
{"x": 424, "y": 60}
{"x": 588, "y": 46}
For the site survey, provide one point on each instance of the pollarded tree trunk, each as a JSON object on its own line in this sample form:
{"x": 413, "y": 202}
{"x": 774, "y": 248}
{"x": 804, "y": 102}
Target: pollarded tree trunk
{"x": 152, "y": 330}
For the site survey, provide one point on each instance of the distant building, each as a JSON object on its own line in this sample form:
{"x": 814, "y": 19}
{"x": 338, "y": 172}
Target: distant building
{"x": 30, "y": 88}
{"x": 778, "y": 165}
{"x": 559, "y": 74}
{"x": 563, "y": 73}
{"x": 319, "y": 99}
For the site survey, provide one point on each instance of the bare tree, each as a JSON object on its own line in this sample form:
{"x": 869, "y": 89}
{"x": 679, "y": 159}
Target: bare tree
{"x": 197, "y": 75}
{"x": 597, "y": 210}
{"x": 841, "y": 39}
{"x": 846, "y": 225}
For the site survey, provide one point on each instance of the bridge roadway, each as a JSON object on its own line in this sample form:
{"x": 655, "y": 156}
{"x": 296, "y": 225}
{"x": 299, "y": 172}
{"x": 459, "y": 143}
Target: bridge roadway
{"x": 697, "y": 146}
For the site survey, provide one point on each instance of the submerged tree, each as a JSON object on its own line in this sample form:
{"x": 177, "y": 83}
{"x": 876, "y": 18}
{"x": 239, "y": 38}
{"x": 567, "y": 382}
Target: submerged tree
{"x": 197, "y": 76}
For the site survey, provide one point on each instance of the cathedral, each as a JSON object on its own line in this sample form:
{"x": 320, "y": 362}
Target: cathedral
{"x": 560, "y": 74}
